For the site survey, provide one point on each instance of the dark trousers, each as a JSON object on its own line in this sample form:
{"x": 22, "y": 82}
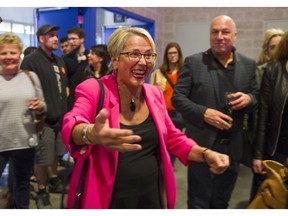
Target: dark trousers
{"x": 207, "y": 190}
{"x": 22, "y": 162}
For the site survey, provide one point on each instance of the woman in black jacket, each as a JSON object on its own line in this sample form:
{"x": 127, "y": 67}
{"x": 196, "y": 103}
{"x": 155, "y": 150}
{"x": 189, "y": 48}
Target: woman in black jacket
{"x": 272, "y": 133}
{"x": 271, "y": 40}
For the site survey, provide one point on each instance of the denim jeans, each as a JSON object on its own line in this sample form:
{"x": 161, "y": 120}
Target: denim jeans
{"x": 22, "y": 162}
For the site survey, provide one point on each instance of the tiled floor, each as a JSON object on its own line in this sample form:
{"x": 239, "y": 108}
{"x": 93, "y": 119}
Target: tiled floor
{"x": 238, "y": 200}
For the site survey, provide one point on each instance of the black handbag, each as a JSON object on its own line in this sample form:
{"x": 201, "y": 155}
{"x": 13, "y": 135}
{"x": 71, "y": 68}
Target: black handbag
{"x": 80, "y": 186}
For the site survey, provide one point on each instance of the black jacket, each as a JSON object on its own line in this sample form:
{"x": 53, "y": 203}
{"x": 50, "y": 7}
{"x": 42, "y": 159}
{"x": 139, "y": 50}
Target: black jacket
{"x": 273, "y": 96}
{"x": 42, "y": 65}
{"x": 73, "y": 66}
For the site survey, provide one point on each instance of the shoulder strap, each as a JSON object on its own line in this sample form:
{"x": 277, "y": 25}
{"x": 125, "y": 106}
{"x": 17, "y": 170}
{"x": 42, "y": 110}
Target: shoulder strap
{"x": 30, "y": 76}
{"x": 101, "y": 97}
{"x": 80, "y": 186}
{"x": 168, "y": 79}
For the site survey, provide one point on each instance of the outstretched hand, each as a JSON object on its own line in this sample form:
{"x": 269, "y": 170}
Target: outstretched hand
{"x": 217, "y": 162}
{"x": 121, "y": 140}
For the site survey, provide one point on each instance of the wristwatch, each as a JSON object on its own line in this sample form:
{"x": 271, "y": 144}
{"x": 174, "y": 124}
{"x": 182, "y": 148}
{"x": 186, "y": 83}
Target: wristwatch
{"x": 84, "y": 135}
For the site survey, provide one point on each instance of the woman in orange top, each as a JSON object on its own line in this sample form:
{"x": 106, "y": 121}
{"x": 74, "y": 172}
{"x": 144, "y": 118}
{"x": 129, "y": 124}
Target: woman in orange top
{"x": 166, "y": 76}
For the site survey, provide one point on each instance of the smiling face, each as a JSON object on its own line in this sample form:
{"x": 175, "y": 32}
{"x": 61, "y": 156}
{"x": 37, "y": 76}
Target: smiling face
{"x": 133, "y": 73}
{"x": 94, "y": 59}
{"x": 222, "y": 35}
{"x": 10, "y": 58}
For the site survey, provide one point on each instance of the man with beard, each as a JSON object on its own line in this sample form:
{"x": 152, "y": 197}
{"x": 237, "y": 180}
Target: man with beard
{"x": 51, "y": 72}
{"x": 77, "y": 60}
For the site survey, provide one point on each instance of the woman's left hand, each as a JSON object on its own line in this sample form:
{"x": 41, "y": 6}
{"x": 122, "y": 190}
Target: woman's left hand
{"x": 217, "y": 162}
{"x": 36, "y": 104}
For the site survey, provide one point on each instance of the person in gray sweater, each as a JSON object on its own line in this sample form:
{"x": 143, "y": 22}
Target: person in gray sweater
{"x": 20, "y": 102}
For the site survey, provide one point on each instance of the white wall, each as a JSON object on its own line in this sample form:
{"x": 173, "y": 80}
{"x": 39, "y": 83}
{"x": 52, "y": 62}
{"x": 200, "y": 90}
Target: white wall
{"x": 193, "y": 38}
{"x": 283, "y": 24}
{"x": 19, "y": 14}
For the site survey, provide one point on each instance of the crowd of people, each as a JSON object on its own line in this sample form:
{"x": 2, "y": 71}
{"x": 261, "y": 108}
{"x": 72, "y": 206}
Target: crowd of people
{"x": 192, "y": 109}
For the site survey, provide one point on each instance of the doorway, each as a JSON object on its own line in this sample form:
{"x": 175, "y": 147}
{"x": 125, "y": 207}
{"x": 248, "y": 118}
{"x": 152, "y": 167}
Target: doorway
{"x": 98, "y": 22}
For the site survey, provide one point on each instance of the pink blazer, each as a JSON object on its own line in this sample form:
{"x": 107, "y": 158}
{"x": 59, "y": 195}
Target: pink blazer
{"x": 102, "y": 167}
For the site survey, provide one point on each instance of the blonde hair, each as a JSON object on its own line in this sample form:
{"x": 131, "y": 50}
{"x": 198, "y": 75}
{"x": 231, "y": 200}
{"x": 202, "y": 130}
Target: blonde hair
{"x": 119, "y": 37}
{"x": 10, "y": 38}
{"x": 269, "y": 35}
{"x": 281, "y": 52}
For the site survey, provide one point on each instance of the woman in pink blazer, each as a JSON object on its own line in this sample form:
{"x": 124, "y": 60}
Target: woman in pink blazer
{"x": 127, "y": 142}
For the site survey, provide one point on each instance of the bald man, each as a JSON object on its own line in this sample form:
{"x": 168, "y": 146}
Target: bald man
{"x": 213, "y": 92}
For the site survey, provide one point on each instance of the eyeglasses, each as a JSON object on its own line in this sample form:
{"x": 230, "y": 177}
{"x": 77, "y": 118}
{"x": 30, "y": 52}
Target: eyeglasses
{"x": 70, "y": 39}
{"x": 136, "y": 56}
{"x": 172, "y": 53}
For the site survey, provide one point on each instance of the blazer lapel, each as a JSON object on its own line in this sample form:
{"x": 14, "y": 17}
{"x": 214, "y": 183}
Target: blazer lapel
{"x": 150, "y": 100}
{"x": 153, "y": 108}
{"x": 238, "y": 72}
{"x": 212, "y": 71}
